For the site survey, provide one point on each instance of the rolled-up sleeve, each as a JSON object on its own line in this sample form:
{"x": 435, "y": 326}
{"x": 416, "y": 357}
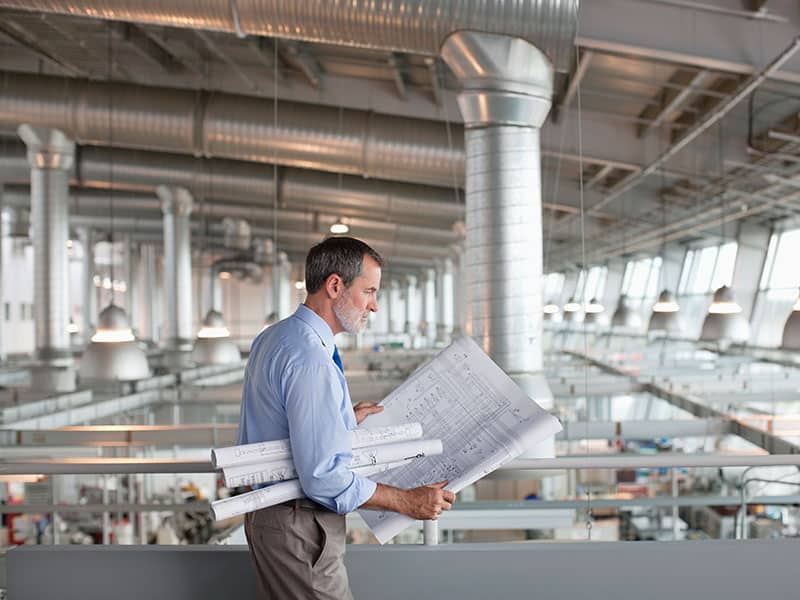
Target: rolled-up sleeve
{"x": 321, "y": 443}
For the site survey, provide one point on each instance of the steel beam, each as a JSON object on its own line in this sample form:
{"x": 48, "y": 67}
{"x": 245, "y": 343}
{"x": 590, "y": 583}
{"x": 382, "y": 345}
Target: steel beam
{"x": 687, "y": 34}
{"x": 144, "y": 45}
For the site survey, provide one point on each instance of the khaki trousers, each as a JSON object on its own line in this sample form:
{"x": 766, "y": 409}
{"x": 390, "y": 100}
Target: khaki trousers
{"x": 298, "y": 552}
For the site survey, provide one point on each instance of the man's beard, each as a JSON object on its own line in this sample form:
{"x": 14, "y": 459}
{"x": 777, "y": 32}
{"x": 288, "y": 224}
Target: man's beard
{"x": 351, "y": 318}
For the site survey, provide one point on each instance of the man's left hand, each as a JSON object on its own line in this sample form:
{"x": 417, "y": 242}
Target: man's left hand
{"x": 365, "y": 409}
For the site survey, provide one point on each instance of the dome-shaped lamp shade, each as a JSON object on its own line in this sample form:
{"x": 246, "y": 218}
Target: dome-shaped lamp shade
{"x": 791, "y": 330}
{"x": 725, "y": 321}
{"x": 571, "y": 309}
{"x": 665, "y": 314}
{"x": 624, "y": 317}
{"x": 593, "y": 311}
{"x": 112, "y": 353}
{"x": 551, "y": 311}
{"x": 213, "y": 345}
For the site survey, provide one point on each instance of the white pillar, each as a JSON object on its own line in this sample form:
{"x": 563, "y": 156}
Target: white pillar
{"x": 50, "y": 155}
{"x": 429, "y": 304}
{"x": 176, "y": 204}
{"x": 444, "y": 300}
{"x": 411, "y": 302}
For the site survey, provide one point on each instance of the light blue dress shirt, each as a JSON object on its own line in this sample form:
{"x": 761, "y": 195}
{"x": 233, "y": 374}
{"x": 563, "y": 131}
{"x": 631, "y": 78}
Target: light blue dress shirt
{"x": 293, "y": 389}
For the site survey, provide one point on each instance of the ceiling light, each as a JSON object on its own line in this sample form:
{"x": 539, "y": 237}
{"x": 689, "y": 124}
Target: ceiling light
{"x": 224, "y": 275}
{"x": 724, "y": 303}
{"x": 594, "y": 307}
{"x": 725, "y": 322}
{"x": 791, "y": 329}
{"x": 339, "y": 227}
{"x": 113, "y": 354}
{"x": 213, "y": 326}
{"x": 72, "y": 327}
{"x": 550, "y": 309}
{"x": 666, "y": 303}
{"x": 299, "y": 285}
{"x": 572, "y": 306}
{"x": 213, "y": 345}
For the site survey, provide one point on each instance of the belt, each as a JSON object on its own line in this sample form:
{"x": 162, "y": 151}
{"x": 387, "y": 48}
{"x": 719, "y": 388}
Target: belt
{"x": 304, "y": 503}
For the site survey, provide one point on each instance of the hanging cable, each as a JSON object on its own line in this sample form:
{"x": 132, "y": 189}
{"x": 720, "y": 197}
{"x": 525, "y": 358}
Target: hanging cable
{"x": 583, "y": 266}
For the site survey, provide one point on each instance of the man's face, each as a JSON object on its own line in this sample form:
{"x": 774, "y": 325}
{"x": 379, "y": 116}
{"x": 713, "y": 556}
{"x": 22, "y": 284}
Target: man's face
{"x": 353, "y": 306}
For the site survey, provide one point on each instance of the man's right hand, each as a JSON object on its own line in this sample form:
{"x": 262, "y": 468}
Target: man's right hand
{"x": 425, "y": 502}
{"x": 428, "y": 501}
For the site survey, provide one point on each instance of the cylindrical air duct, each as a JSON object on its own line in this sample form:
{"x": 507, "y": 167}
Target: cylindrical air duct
{"x": 177, "y": 202}
{"x": 507, "y": 88}
{"x": 50, "y": 155}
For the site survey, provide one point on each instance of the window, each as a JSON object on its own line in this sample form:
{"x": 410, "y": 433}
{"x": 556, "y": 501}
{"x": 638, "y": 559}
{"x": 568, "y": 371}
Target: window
{"x": 706, "y": 269}
{"x": 777, "y": 288}
{"x": 595, "y": 283}
{"x": 641, "y": 278}
{"x": 780, "y": 269}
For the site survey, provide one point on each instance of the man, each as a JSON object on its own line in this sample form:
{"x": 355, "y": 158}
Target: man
{"x": 294, "y": 388}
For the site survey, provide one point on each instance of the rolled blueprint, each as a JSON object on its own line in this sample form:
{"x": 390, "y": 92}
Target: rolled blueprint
{"x": 282, "y": 470}
{"x": 281, "y": 450}
{"x": 279, "y": 492}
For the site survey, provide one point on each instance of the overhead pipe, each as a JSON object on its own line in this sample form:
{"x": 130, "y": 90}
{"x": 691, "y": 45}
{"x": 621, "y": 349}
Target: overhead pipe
{"x": 507, "y": 89}
{"x": 50, "y": 154}
{"x": 177, "y": 204}
{"x": 419, "y": 28}
{"x": 250, "y": 183}
{"x": 235, "y": 127}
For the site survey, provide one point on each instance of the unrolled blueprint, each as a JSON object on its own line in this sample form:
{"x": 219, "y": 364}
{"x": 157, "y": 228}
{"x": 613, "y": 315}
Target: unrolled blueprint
{"x": 482, "y": 417}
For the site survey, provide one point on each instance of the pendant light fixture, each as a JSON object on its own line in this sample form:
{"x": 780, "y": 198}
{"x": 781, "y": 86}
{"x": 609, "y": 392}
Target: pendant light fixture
{"x": 213, "y": 345}
{"x": 571, "y": 309}
{"x": 339, "y": 227}
{"x": 664, "y": 318}
{"x": 665, "y": 314}
{"x": 113, "y": 353}
{"x": 592, "y": 310}
{"x": 725, "y": 322}
{"x": 551, "y": 311}
{"x": 791, "y": 330}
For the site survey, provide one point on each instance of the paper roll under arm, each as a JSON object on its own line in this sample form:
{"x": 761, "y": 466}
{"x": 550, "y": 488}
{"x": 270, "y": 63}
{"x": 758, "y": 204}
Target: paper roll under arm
{"x": 263, "y": 452}
{"x": 252, "y": 474}
{"x": 279, "y": 492}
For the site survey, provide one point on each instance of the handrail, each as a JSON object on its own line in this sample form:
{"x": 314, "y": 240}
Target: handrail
{"x": 99, "y": 466}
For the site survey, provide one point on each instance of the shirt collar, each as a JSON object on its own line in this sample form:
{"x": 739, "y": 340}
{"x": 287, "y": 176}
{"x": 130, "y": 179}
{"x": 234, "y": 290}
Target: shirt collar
{"x": 318, "y": 324}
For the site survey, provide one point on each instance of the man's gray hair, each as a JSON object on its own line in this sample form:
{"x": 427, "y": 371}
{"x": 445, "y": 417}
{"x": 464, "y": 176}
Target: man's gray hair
{"x": 342, "y": 256}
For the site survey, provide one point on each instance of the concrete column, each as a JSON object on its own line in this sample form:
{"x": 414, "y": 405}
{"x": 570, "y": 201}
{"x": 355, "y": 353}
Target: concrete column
{"x": 444, "y": 300}
{"x": 282, "y": 286}
{"x": 460, "y": 292}
{"x": 411, "y": 302}
{"x": 134, "y": 258}
{"x": 50, "y": 155}
{"x": 429, "y": 304}
{"x": 396, "y": 309}
{"x": 3, "y": 236}
{"x": 89, "y": 306}
{"x": 177, "y": 203}
{"x": 152, "y": 308}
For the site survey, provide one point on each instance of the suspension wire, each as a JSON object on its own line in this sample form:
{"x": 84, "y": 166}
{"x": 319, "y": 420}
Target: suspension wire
{"x": 109, "y": 74}
{"x": 275, "y": 186}
{"x": 583, "y": 266}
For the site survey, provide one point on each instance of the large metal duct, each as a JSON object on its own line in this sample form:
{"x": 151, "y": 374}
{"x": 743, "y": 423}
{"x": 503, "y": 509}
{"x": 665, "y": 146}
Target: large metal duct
{"x": 507, "y": 87}
{"x": 233, "y": 126}
{"x": 251, "y": 184}
{"x": 50, "y": 154}
{"x": 414, "y": 27}
{"x": 177, "y": 206}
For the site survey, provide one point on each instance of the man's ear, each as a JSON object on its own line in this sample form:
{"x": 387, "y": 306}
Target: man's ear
{"x": 334, "y": 285}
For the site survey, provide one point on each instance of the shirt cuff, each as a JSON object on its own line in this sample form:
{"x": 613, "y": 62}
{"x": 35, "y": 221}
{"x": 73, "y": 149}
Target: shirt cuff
{"x": 359, "y": 491}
